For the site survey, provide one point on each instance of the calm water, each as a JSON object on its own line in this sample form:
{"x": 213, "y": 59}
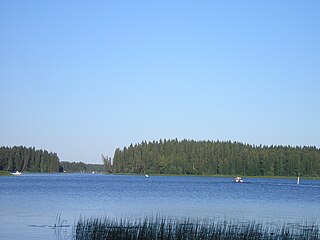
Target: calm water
{"x": 30, "y": 203}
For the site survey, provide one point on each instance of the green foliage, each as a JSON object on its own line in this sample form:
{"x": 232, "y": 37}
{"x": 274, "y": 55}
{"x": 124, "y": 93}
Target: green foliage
{"x": 216, "y": 157}
{"x": 28, "y": 159}
{"x": 81, "y": 167}
{"x": 5, "y": 173}
{"x": 107, "y": 162}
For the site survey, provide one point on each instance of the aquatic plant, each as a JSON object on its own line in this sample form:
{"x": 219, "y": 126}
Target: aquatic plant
{"x": 60, "y": 227}
{"x": 164, "y": 228}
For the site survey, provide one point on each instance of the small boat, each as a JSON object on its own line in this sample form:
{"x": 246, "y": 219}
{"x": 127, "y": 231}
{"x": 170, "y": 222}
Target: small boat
{"x": 16, "y": 173}
{"x": 238, "y": 180}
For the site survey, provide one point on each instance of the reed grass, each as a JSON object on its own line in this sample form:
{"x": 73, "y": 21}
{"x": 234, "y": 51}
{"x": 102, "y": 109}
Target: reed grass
{"x": 164, "y": 228}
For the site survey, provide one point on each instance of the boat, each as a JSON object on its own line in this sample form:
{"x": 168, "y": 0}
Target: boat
{"x": 16, "y": 173}
{"x": 238, "y": 180}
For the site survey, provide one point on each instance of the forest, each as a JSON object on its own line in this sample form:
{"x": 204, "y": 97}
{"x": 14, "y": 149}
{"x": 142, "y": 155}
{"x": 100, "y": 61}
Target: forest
{"x": 177, "y": 157}
{"x": 21, "y": 158}
{"x": 214, "y": 158}
{"x": 81, "y": 167}
{"x": 25, "y": 159}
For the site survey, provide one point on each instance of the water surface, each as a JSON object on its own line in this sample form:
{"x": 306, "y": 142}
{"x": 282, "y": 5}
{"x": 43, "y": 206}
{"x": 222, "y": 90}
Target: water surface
{"x": 30, "y": 203}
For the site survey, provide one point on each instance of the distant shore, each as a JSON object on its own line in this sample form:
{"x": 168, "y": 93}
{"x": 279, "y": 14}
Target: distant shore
{"x": 5, "y": 173}
{"x": 216, "y": 176}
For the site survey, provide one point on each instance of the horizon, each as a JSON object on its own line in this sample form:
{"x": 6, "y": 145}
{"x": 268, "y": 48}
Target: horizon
{"x": 83, "y": 78}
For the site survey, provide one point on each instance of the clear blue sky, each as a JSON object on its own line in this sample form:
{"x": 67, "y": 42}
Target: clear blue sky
{"x": 82, "y": 78}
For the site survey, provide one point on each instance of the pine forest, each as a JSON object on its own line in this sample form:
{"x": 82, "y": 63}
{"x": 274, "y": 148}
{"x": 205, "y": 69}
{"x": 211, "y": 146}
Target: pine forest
{"x": 28, "y": 159}
{"x": 215, "y": 158}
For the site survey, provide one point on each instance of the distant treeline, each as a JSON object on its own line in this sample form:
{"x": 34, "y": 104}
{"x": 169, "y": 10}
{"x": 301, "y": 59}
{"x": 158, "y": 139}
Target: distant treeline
{"x": 28, "y": 159}
{"x": 25, "y": 159}
{"x": 215, "y": 157}
{"x": 81, "y": 167}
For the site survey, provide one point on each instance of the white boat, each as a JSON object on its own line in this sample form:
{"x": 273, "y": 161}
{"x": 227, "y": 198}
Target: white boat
{"x": 238, "y": 180}
{"x": 17, "y": 173}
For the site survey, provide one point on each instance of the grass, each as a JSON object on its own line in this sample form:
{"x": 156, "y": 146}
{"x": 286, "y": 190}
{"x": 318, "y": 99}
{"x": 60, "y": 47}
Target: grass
{"x": 163, "y": 228}
{"x": 5, "y": 173}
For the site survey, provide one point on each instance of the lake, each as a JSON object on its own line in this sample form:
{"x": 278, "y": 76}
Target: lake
{"x": 31, "y": 204}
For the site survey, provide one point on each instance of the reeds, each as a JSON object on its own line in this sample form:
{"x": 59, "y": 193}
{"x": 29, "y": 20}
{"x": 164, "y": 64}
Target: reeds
{"x": 163, "y": 228}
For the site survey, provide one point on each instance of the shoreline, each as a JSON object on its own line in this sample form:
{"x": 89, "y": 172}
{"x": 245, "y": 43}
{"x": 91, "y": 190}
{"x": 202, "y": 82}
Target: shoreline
{"x": 7, "y": 173}
{"x": 215, "y": 176}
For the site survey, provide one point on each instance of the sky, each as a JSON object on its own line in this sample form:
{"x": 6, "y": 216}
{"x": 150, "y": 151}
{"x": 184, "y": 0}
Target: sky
{"x": 82, "y": 78}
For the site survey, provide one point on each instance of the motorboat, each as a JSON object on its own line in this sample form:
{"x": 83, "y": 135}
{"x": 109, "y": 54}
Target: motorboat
{"x": 238, "y": 180}
{"x": 16, "y": 173}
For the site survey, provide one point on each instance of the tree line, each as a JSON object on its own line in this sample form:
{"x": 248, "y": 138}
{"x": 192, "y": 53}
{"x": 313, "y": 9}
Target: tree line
{"x": 23, "y": 159}
{"x": 215, "y": 157}
{"x": 20, "y": 158}
{"x": 81, "y": 167}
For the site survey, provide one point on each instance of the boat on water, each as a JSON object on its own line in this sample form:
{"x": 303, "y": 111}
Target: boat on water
{"x": 16, "y": 173}
{"x": 238, "y": 180}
